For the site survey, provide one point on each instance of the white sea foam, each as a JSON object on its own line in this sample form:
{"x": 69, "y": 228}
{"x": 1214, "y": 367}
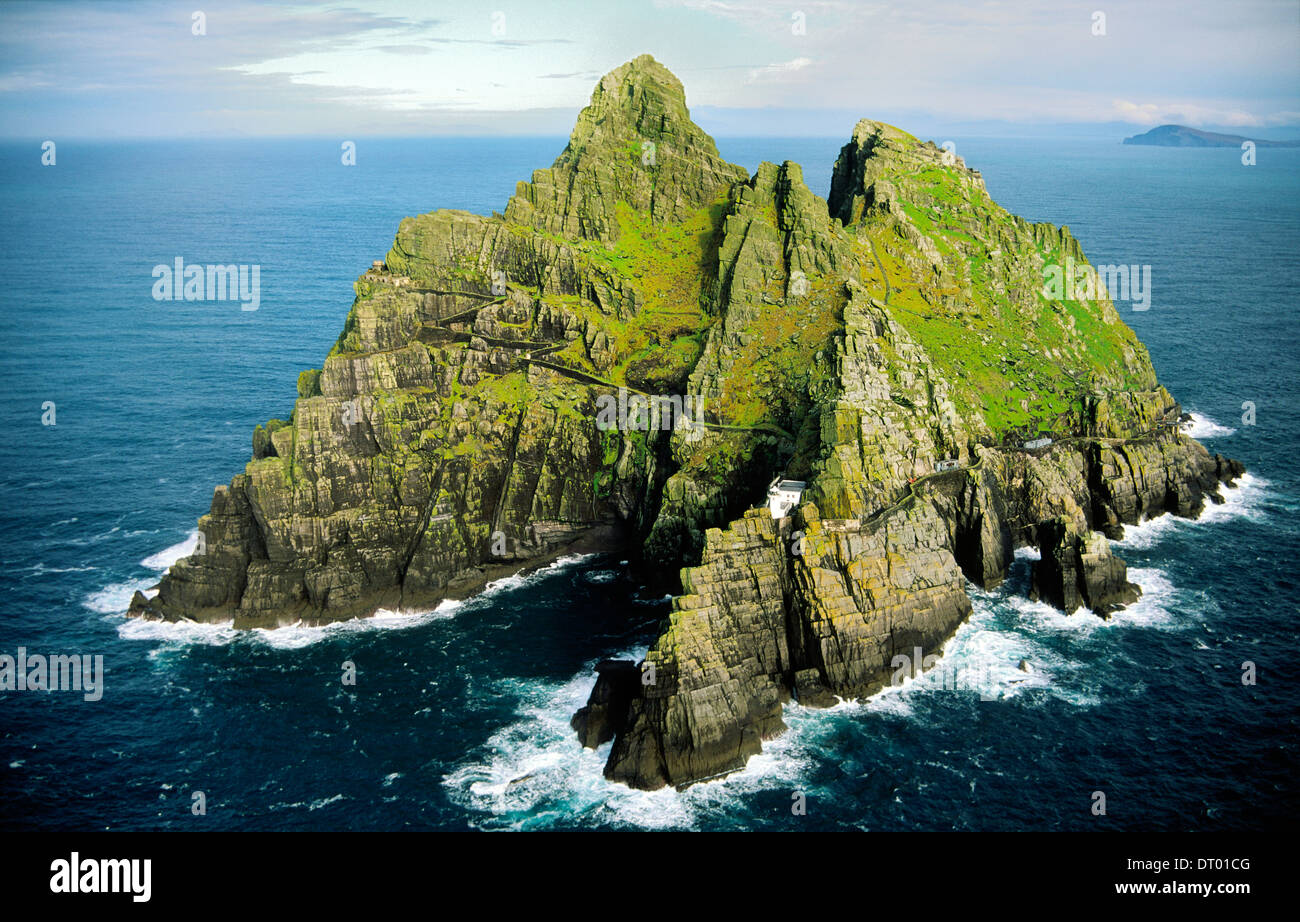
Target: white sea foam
{"x": 520, "y": 580}
{"x": 165, "y": 558}
{"x": 297, "y": 636}
{"x": 115, "y": 599}
{"x": 983, "y": 658}
{"x": 178, "y": 632}
{"x": 537, "y": 761}
{"x": 324, "y": 802}
{"x": 1244, "y": 500}
{"x": 534, "y": 771}
{"x": 1202, "y": 427}
{"x": 667, "y": 597}
{"x": 313, "y": 805}
{"x": 1154, "y": 609}
{"x": 40, "y": 569}
{"x": 1149, "y": 532}
{"x": 95, "y": 539}
{"x": 289, "y": 637}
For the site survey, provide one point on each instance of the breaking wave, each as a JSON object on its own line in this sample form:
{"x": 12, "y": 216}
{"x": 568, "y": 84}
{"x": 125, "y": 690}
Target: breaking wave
{"x": 115, "y": 599}
{"x": 165, "y": 558}
{"x": 1245, "y": 500}
{"x": 533, "y": 773}
{"x": 1202, "y": 427}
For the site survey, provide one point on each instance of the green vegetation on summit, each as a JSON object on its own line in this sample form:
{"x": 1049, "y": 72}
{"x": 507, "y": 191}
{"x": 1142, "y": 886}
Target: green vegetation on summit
{"x": 853, "y": 343}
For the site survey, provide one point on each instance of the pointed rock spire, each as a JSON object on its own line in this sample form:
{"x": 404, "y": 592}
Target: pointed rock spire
{"x": 634, "y": 143}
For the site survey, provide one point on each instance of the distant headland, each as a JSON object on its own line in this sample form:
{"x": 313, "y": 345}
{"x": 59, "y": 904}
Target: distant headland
{"x": 1182, "y": 136}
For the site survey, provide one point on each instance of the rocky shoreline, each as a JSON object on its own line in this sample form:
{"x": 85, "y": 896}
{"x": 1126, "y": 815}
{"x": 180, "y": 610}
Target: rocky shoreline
{"x": 891, "y": 349}
{"x": 760, "y": 625}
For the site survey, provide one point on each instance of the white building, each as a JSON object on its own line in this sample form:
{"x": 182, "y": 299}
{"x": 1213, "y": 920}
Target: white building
{"x": 783, "y": 495}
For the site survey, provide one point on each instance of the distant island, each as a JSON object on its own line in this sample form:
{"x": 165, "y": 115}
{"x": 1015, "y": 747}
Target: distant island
{"x": 1182, "y": 136}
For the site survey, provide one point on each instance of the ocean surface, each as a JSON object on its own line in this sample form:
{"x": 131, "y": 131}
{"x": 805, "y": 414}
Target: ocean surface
{"x": 459, "y": 716}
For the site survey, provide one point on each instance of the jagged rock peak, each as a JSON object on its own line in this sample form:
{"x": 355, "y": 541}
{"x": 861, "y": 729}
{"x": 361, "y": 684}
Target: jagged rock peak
{"x": 878, "y": 151}
{"x": 640, "y": 99}
{"x": 634, "y": 143}
{"x": 870, "y": 132}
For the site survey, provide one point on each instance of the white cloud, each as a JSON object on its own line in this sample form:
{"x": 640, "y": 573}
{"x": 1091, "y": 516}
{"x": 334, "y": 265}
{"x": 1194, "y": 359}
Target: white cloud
{"x": 778, "y": 71}
{"x": 386, "y": 62}
{"x": 1183, "y": 113}
{"x": 15, "y": 83}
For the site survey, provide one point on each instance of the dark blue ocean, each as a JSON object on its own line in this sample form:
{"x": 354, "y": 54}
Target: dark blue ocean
{"x": 459, "y": 718}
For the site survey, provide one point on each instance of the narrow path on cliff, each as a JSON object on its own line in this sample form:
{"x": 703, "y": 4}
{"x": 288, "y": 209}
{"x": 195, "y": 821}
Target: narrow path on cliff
{"x": 912, "y": 494}
{"x": 587, "y": 378}
{"x": 443, "y": 321}
{"x": 459, "y": 294}
{"x": 534, "y": 350}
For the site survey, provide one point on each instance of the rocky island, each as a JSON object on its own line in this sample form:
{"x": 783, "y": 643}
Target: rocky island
{"x": 889, "y": 352}
{"x": 1182, "y": 136}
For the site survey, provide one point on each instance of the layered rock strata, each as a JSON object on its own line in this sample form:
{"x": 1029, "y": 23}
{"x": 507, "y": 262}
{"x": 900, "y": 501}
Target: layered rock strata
{"x": 894, "y": 347}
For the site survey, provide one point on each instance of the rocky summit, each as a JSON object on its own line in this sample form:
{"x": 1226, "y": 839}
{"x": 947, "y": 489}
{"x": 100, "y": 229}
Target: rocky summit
{"x": 891, "y": 352}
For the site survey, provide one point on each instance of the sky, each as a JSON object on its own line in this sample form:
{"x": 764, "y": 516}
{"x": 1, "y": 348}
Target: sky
{"x": 750, "y": 67}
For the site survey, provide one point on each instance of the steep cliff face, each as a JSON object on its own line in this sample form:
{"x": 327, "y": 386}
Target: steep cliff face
{"x": 453, "y": 427}
{"x": 461, "y": 423}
